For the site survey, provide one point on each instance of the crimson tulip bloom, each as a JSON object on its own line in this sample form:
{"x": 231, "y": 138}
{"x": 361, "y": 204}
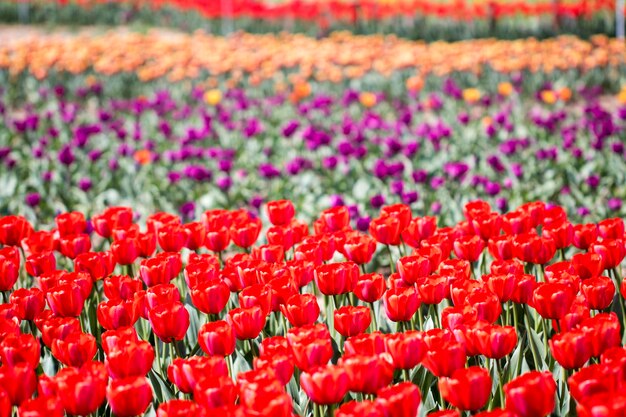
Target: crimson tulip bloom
{"x": 179, "y": 408}
{"x": 386, "y": 230}
{"x": 217, "y": 239}
{"x": 552, "y": 300}
{"x": 18, "y": 381}
{"x": 571, "y": 349}
{"x": 73, "y": 245}
{"x": 406, "y": 349}
{"x": 367, "y": 374}
{"x": 468, "y": 248}
{"x": 112, "y": 218}
{"x": 604, "y": 332}
{"x": 400, "y": 400}
{"x": 188, "y": 373}
{"x": 412, "y": 268}
{"x": 257, "y": 295}
{"x": 611, "y": 228}
{"x": 40, "y": 263}
{"x": 30, "y": 302}
{"x": 217, "y": 338}
{"x": 22, "y": 348}
{"x": 13, "y": 229}
{"x": 370, "y": 287}
{"x": 336, "y": 218}
{"x": 418, "y": 229}
{"x": 215, "y": 392}
{"x": 360, "y": 409}
{"x": 121, "y": 287}
{"x": 587, "y": 265}
{"x": 433, "y": 289}
{"x": 317, "y": 381}
{"x": 359, "y": 249}
{"x": 502, "y": 247}
{"x": 468, "y": 389}
{"x": 495, "y": 342}
{"x": 310, "y": 348}
{"x": 54, "y": 328}
{"x": 66, "y": 300}
{"x": 9, "y": 268}
{"x": 351, "y": 321}
{"x": 114, "y": 314}
{"x": 245, "y": 233}
{"x": 401, "y": 303}
{"x": 612, "y": 252}
{"x": 584, "y": 235}
{"x": 247, "y": 322}
{"x": 336, "y": 278}
{"x": 129, "y": 397}
{"x": 97, "y": 264}
{"x": 444, "y": 358}
{"x": 531, "y": 394}
{"x": 598, "y": 292}
{"x": 125, "y": 251}
{"x": 210, "y": 297}
{"x": 301, "y": 309}
{"x": 129, "y": 358}
{"x": 40, "y": 407}
{"x": 169, "y": 321}
{"x": 71, "y": 223}
{"x": 280, "y": 212}
{"x": 75, "y": 349}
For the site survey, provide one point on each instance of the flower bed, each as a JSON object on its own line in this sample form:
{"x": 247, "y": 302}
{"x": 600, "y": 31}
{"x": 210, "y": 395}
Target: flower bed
{"x": 520, "y": 314}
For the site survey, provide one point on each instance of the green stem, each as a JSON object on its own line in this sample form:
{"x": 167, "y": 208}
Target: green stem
{"x": 391, "y": 264}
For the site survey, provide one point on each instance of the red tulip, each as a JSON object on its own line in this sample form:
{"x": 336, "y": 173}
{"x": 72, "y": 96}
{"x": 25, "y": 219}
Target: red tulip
{"x": 367, "y": 374}
{"x": 125, "y": 251}
{"x": 169, "y": 321}
{"x": 365, "y": 344}
{"x": 112, "y": 218}
{"x": 121, "y": 287}
{"x": 13, "y": 229}
{"x": 433, "y": 289}
{"x": 587, "y": 265}
{"x": 418, "y": 229}
{"x": 495, "y": 342}
{"x": 562, "y": 234}
{"x": 360, "y": 409}
{"x": 18, "y": 381}
{"x": 401, "y": 400}
{"x": 188, "y": 373}
{"x": 41, "y": 263}
{"x": 612, "y": 252}
{"x": 245, "y": 233}
{"x": 604, "y": 332}
{"x": 386, "y": 230}
{"x": 37, "y": 242}
{"x": 66, "y": 300}
{"x": 317, "y": 381}
{"x": 257, "y": 295}
{"x": 370, "y": 287}
{"x": 468, "y": 389}
{"x": 23, "y": 348}
{"x": 40, "y": 407}
{"x": 584, "y": 235}
{"x": 53, "y": 328}
{"x": 97, "y": 264}
{"x": 247, "y": 322}
{"x": 9, "y": 268}
{"x": 30, "y": 302}
{"x": 280, "y": 212}
{"x": 412, "y": 268}
{"x": 217, "y": 338}
{"x": 215, "y": 392}
{"x": 130, "y": 358}
{"x": 468, "y": 248}
{"x": 217, "y": 239}
{"x": 75, "y": 349}
{"x": 336, "y": 278}
{"x": 552, "y": 300}
{"x": 73, "y": 245}
{"x": 311, "y": 346}
{"x": 531, "y": 395}
{"x": 336, "y": 218}
{"x": 444, "y": 358}
{"x": 210, "y": 297}
{"x": 301, "y": 309}
{"x": 172, "y": 237}
{"x": 351, "y": 321}
{"x": 129, "y": 397}
{"x": 359, "y": 249}
{"x": 401, "y": 303}
{"x": 179, "y": 408}
{"x": 611, "y": 228}
{"x": 406, "y": 349}
{"x": 114, "y": 314}
{"x": 598, "y": 292}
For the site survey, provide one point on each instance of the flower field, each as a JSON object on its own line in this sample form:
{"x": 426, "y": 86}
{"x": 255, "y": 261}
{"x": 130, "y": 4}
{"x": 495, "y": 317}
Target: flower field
{"x": 280, "y": 225}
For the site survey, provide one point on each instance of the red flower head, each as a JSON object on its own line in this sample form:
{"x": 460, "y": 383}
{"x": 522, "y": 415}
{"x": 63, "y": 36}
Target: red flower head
{"x": 18, "y": 381}
{"x": 553, "y": 300}
{"x": 97, "y": 264}
{"x": 502, "y": 285}
{"x": 23, "y": 348}
{"x": 114, "y": 314}
{"x": 351, "y": 321}
{"x": 406, "y": 349}
{"x": 468, "y": 389}
{"x": 336, "y": 278}
{"x": 587, "y": 265}
{"x": 336, "y": 218}
{"x": 40, "y": 406}
{"x": 612, "y": 252}
{"x": 121, "y": 287}
{"x": 245, "y": 233}
{"x": 125, "y": 251}
{"x": 73, "y": 245}
{"x": 495, "y": 342}
{"x": 112, "y": 218}
{"x": 584, "y": 235}
{"x": 66, "y": 300}
{"x": 469, "y": 248}
{"x": 188, "y": 373}
{"x": 611, "y": 228}
{"x": 9, "y": 268}
{"x": 280, "y": 212}
{"x": 386, "y": 230}
{"x": 216, "y": 392}
{"x": 179, "y": 408}
{"x": 169, "y": 321}
{"x": 82, "y": 390}
{"x": 531, "y": 395}
{"x": 598, "y": 292}
{"x": 401, "y": 400}
{"x": 359, "y": 248}
{"x": 41, "y": 263}
{"x": 411, "y": 268}
{"x": 71, "y": 223}
{"x": 368, "y": 374}
{"x": 401, "y": 303}
{"x": 370, "y": 287}
{"x": 311, "y": 346}
{"x": 196, "y": 235}
{"x": 418, "y": 229}
{"x": 604, "y": 332}
{"x": 210, "y": 297}
{"x": 247, "y": 322}
{"x": 129, "y": 358}
{"x": 360, "y": 409}
{"x": 502, "y": 247}
{"x": 217, "y": 338}
{"x": 75, "y": 349}
{"x": 129, "y": 397}
{"x": 13, "y": 229}
{"x": 301, "y": 309}
{"x": 316, "y": 382}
